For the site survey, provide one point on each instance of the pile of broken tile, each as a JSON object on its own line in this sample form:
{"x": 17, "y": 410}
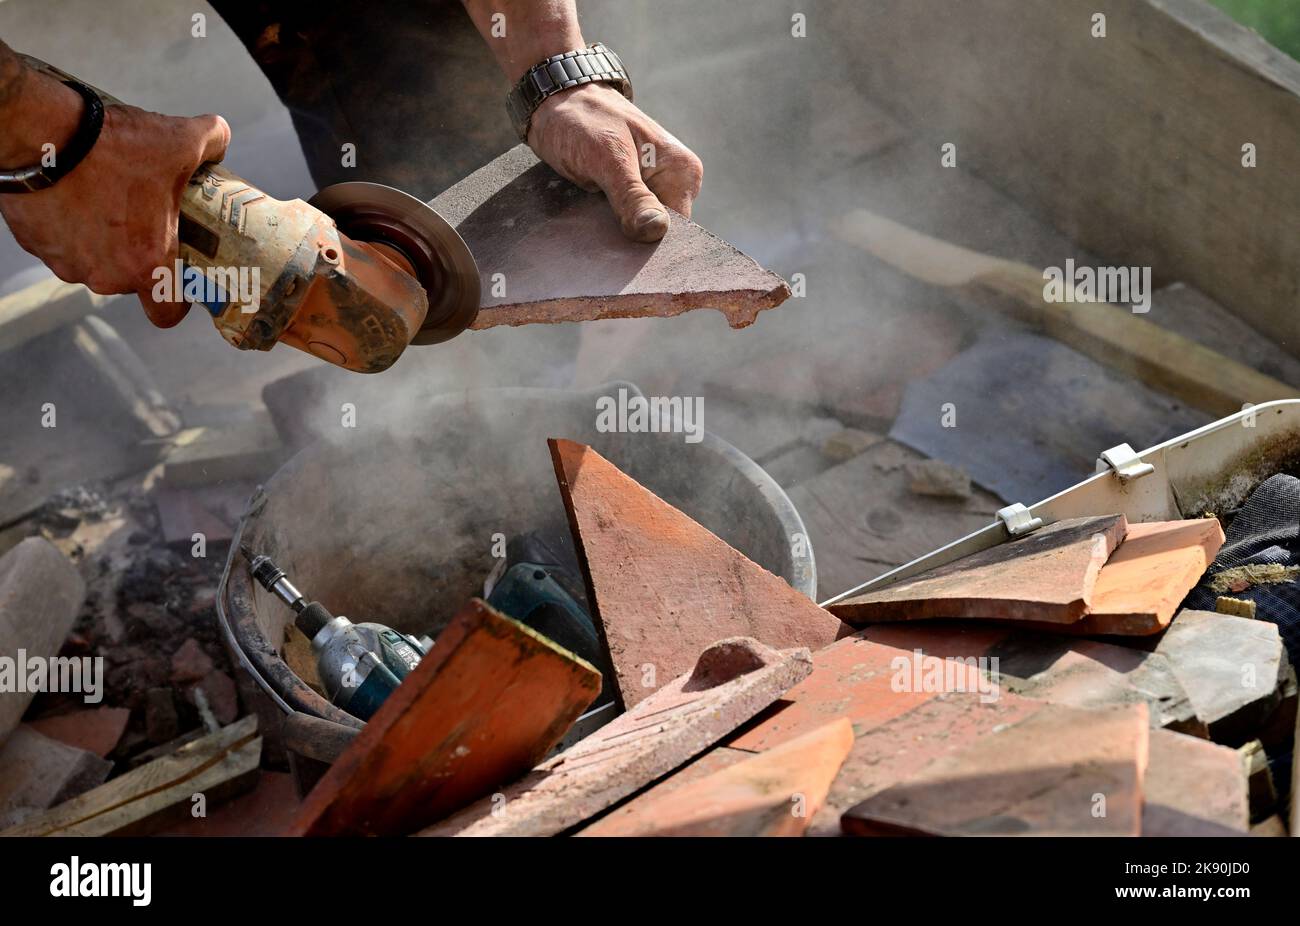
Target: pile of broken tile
{"x": 114, "y": 525}
{"x": 970, "y": 700}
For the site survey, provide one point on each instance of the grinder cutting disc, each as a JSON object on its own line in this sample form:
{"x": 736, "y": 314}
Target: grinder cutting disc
{"x": 380, "y": 215}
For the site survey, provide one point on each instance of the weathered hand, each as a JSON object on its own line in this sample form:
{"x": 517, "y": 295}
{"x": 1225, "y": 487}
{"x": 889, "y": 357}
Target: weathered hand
{"x": 593, "y": 136}
{"x": 112, "y": 220}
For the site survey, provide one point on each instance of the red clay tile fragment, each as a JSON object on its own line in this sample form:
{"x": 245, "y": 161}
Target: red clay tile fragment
{"x": 566, "y": 259}
{"x": 676, "y": 723}
{"x": 264, "y": 811}
{"x": 483, "y": 707}
{"x": 897, "y": 750}
{"x": 95, "y": 730}
{"x": 663, "y": 587}
{"x": 867, "y": 682}
{"x": 901, "y": 718}
{"x": 1141, "y": 585}
{"x": 1193, "y": 788}
{"x": 774, "y": 793}
{"x": 1047, "y": 576}
{"x": 1060, "y": 771}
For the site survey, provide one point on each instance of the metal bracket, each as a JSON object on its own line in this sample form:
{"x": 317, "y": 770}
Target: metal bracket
{"x": 1124, "y": 460}
{"x": 1018, "y": 519}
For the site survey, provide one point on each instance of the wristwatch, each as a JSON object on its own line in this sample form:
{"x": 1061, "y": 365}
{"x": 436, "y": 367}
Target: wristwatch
{"x": 594, "y": 64}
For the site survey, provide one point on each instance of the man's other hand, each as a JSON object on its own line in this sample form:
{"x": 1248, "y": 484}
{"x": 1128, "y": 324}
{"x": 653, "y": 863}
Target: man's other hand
{"x": 596, "y": 138}
{"x": 113, "y": 220}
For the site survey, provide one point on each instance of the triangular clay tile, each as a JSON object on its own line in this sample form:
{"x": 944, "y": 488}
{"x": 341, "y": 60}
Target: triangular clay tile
{"x": 664, "y": 588}
{"x": 1048, "y": 576}
{"x": 564, "y": 258}
{"x": 775, "y": 793}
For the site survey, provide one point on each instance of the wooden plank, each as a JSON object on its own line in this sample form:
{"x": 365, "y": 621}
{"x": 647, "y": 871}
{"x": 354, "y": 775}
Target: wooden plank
{"x": 43, "y": 307}
{"x": 1189, "y": 311}
{"x": 1109, "y": 334}
{"x": 731, "y": 683}
{"x": 482, "y": 708}
{"x": 1137, "y": 160}
{"x": 775, "y": 793}
{"x": 200, "y": 456}
{"x": 1060, "y": 771}
{"x": 216, "y": 766}
{"x": 661, "y": 586}
{"x": 1047, "y": 576}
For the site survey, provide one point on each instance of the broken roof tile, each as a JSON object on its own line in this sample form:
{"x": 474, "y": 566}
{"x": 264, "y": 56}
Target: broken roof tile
{"x": 1046, "y": 576}
{"x": 1193, "y": 788}
{"x": 563, "y": 257}
{"x": 1143, "y": 582}
{"x": 489, "y": 701}
{"x": 95, "y": 729}
{"x": 867, "y": 682}
{"x": 773, "y": 793}
{"x": 1059, "y": 771}
{"x": 732, "y": 682}
{"x": 661, "y": 586}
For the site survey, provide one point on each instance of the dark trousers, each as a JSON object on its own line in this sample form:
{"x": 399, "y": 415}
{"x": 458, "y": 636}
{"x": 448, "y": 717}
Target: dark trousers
{"x": 409, "y": 83}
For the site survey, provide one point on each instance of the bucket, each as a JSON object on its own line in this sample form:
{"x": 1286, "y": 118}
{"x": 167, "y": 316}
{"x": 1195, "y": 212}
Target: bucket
{"x": 397, "y": 524}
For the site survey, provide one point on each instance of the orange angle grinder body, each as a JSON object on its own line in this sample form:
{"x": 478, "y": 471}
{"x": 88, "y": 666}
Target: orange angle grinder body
{"x": 351, "y": 277}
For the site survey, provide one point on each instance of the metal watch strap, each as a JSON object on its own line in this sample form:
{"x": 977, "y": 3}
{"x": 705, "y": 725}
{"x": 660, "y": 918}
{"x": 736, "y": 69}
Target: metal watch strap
{"x": 594, "y": 64}
{"x": 40, "y": 177}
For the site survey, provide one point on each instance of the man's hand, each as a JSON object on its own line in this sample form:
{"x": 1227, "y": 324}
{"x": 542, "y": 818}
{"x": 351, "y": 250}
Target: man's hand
{"x": 593, "y": 136}
{"x": 112, "y": 220}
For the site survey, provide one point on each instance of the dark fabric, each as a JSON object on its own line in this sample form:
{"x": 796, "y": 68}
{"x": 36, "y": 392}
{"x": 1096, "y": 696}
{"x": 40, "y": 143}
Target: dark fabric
{"x": 409, "y": 82}
{"x": 1265, "y": 531}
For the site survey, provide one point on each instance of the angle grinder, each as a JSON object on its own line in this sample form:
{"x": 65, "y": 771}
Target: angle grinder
{"x": 353, "y": 276}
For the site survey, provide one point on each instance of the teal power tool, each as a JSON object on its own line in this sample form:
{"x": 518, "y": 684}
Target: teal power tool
{"x": 359, "y": 665}
{"x": 539, "y": 584}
